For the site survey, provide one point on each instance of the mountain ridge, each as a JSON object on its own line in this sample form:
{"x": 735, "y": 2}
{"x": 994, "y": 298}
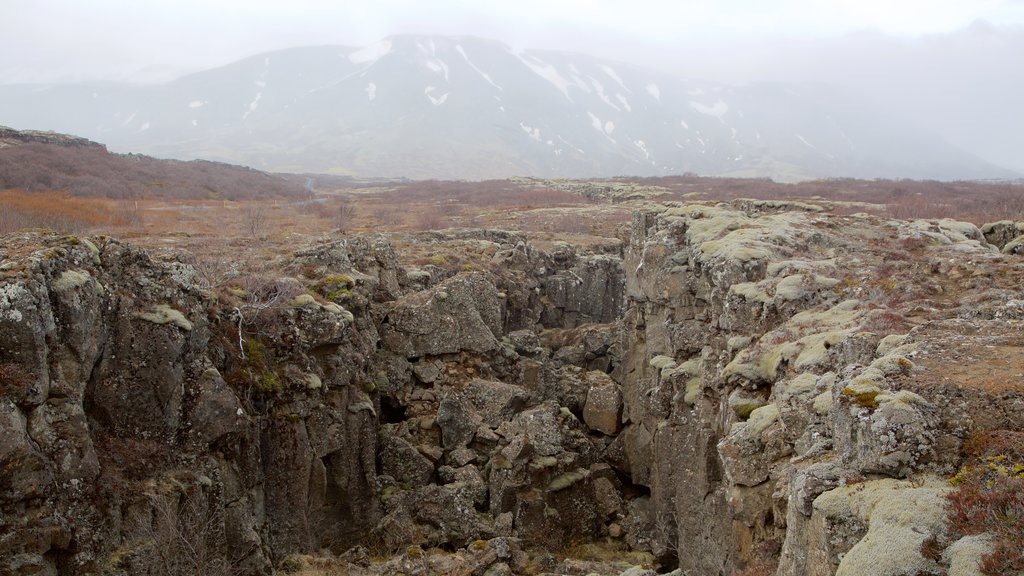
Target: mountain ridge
{"x": 471, "y": 108}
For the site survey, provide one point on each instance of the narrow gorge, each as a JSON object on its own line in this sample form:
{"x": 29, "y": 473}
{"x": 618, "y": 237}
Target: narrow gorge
{"x": 752, "y": 385}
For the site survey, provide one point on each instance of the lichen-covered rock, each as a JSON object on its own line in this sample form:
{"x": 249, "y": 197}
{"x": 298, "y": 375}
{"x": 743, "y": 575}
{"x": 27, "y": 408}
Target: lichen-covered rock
{"x": 461, "y": 313}
{"x": 752, "y": 446}
{"x": 603, "y": 409}
{"x": 403, "y": 462}
{"x": 882, "y": 432}
{"x": 878, "y": 527}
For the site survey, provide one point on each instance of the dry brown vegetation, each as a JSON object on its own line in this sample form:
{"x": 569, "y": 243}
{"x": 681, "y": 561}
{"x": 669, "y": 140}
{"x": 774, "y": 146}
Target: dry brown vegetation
{"x": 89, "y": 170}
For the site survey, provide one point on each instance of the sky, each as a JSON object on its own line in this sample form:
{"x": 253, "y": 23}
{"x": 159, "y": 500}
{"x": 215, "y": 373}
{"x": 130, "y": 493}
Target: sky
{"x": 952, "y": 65}
{"x": 46, "y": 40}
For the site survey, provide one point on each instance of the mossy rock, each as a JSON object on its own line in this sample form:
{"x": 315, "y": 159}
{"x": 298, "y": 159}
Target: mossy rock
{"x": 563, "y": 481}
{"x": 164, "y": 314}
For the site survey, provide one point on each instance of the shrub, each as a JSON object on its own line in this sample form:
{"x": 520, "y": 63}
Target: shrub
{"x": 989, "y": 497}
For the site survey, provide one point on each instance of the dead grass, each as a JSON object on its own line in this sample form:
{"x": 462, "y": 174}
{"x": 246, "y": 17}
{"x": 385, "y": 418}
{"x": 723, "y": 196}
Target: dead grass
{"x": 609, "y": 551}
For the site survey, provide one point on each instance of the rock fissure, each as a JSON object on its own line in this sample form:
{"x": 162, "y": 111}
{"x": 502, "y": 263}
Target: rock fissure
{"x": 719, "y": 384}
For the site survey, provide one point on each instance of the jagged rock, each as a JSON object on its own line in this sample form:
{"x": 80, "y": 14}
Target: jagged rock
{"x": 589, "y": 292}
{"x": 751, "y": 447}
{"x": 215, "y": 411}
{"x": 1001, "y": 233}
{"x": 461, "y": 313}
{"x": 603, "y": 409}
{"x": 458, "y": 420}
{"x": 882, "y": 432}
{"x": 496, "y": 402}
{"x": 403, "y": 462}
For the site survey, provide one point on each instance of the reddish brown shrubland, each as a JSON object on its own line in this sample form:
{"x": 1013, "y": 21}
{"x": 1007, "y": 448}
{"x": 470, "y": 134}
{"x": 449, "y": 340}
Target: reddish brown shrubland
{"x": 989, "y": 497}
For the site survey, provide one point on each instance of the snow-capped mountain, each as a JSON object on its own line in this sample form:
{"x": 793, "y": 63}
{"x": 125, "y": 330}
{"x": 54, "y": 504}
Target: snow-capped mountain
{"x": 464, "y": 107}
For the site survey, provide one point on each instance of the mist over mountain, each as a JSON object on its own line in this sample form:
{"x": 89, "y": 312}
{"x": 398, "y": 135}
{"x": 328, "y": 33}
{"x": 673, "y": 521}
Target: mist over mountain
{"x": 465, "y": 107}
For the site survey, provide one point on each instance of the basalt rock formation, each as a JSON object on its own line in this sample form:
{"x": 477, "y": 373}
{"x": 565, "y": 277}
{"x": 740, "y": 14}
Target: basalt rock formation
{"x": 736, "y": 382}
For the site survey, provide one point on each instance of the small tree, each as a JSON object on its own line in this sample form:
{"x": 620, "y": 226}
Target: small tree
{"x": 255, "y": 220}
{"x": 345, "y": 215}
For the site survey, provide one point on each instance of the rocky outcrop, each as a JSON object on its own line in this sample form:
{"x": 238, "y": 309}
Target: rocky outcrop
{"x": 745, "y": 380}
{"x": 128, "y": 404}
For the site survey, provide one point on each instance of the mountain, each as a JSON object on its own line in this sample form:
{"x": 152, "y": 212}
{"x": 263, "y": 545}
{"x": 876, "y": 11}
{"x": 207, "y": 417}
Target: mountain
{"x": 465, "y": 107}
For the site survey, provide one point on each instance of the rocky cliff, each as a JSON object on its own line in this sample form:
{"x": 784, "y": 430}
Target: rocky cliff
{"x": 755, "y": 384}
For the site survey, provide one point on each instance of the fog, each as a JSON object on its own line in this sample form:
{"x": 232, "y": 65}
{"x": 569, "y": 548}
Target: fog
{"x": 952, "y": 66}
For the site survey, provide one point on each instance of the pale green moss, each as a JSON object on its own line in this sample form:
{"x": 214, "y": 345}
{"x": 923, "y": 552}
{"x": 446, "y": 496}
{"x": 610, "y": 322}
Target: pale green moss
{"x": 966, "y": 554}
{"x": 563, "y": 481}
{"x": 801, "y": 384}
{"x": 768, "y": 364}
{"x": 761, "y": 418}
{"x": 816, "y": 346}
{"x": 794, "y": 266}
{"x": 798, "y": 286}
{"x": 313, "y": 382}
{"x": 822, "y": 403}
{"x": 891, "y": 342}
{"x": 743, "y": 404}
{"x": 164, "y": 314}
{"x": 303, "y": 300}
{"x": 892, "y": 364}
{"x": 733, "y": 249}
{"x": 688, "y": 369}
{"x": 70, "y": 280}
{"x": 541, "y": 462}
{"x": 841, "y": 316}
{"x": 900, "y": 517}
{"x": 692, "y": 390}
{"x": 737, "y": 343}
{"x": 752, "y": 291}
{"x": 93, "y": 251}
{"x": 661, "y": 362}
{"x": 862, "y": 393}
{"x": 901, "y": 398}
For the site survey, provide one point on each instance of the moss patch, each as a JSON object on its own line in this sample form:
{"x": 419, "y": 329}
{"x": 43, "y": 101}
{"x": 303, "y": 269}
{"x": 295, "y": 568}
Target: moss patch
{"x": 164, "y": 314}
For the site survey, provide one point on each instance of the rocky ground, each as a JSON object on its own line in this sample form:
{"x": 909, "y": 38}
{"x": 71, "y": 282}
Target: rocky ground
{"x": 743, "y": 388}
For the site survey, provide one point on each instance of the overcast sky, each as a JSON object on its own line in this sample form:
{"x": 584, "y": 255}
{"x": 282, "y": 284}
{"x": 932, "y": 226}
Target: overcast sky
{"x": 952, "y": 65}
{"x": 47, "y": 40}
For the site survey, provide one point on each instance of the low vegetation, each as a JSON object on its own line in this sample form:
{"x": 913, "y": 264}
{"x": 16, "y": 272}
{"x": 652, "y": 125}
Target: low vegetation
{"x": 989, "y": 498}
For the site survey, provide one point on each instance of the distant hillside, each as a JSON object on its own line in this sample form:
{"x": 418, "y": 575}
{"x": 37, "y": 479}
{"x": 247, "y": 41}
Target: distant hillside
{"x": 465, "y": 107}
{"x": 33, "y": 161}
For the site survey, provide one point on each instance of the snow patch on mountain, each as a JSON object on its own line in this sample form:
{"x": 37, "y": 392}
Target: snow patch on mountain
{"x": 438, "y": 66}
{"x": 654, "y": 91}
{"x": 371, "y": 53}
{"x": 718, "y": 109}
{"x": 435, "y": 100}
{"x": 614, "y": 76}
{"x": 545, "y": 71}
{"x": 371, "y": 91}
{"x": 599, "y": 88}
{"x": 197, "y": 104}
{"x": 460, "y": 50}
{"x": 805, "y": 142}
{"x": 253, "y": 105}
{"x": 643, "y": 148}
{"x": 533, "y": 132}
